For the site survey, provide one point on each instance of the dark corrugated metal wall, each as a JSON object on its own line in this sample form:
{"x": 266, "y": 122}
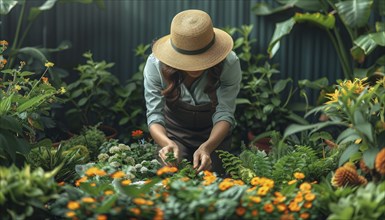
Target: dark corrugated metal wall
{"x": 112, "y": 34}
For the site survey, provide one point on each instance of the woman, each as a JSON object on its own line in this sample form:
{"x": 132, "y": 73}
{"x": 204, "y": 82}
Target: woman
{"x": 191, "y": 81}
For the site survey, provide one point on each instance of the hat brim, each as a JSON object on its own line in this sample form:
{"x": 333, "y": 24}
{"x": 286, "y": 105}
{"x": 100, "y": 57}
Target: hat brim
{"x": 163, "y": 50}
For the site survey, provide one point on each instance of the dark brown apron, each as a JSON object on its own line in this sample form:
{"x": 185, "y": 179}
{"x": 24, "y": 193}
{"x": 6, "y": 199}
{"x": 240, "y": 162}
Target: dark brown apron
{"x": 189, "y": 126}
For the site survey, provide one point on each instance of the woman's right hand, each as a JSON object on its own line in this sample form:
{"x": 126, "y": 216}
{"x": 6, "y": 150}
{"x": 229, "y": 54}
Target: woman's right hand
{"x": 167, "y": 149}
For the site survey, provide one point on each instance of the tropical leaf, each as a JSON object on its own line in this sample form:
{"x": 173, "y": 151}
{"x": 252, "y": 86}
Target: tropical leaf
{"x": 354, "y": 13}
{"x": 281, "y": 29}
{"x": 6, "y": 6}
{"x": 370, "y": 41}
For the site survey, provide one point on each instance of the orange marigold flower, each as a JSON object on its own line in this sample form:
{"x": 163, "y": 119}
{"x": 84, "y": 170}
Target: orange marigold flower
{"x": 254, "y": 213}
{"x": 255, "y": 181}
{"x": 93, "y": 184}
{"x": 44, "y": 79}
{"x": 281, "y": 207}
{"x": 240, "y": 211}
{"x": 294, "y": 207}
{"x": 379, "y": 163}
{"x": 101, "y": 217}
{"x": 125, "y": 182}
{"x": 88, "y": 200}
{"x": 309, "y": 196}
{"x": 304, "y": 215}
{"x": 255, "y": 199}
{"x": 291, "y": 182}
{"x": 137, "y": 134}
{"x": 118, "y": 174}
{"x": 94, "y": 171}
{"x": 70, "y": 214}
{"x": 141, "y": 201}
{"x": 73, "y": 205}
{"x": 268, "y": 207}
{"x": 81, "y": 180}
{"x": 307, "y": 205}
{"x": 62, "y": 183}
{"x": 224, "y": 185}
{"x": 299, "y": 175}
{"x": 287, "y": 217}
{"x": 166, "y": 169}
{"x": 4, "y": 61}
{"x": 304, "y": 187}
{"x": 108, "y": 192}
{"x": 3, "y": 42}
{"x": 136, "y": 211}
{"x": 263, "y": 190}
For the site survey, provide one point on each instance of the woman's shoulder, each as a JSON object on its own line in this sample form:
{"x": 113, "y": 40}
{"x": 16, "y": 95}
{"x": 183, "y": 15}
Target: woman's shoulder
{"x": 231, "y": 58}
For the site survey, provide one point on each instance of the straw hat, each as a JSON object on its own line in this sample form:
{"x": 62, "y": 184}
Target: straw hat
{"x": 193, "y": 43}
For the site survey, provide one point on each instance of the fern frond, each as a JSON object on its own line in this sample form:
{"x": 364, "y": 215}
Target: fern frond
{"x": 258, "y": 161}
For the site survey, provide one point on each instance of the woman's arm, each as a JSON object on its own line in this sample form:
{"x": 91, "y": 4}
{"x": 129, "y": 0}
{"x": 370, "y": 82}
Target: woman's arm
{"x": 159, "y": 134}
{"x": 202, "y": 159}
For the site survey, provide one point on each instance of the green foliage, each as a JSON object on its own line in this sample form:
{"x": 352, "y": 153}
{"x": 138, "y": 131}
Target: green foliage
{"x": 24, "y": 193}
{"x": 234, "y": 166}
{"x": 363, "y": 202}
{"x": 92, "y": 94}
{"x": 91, "y": 137}
{"x": 49, "y": 158}
{"x": 258, "y": 161}
{"x": 364, "y": 35}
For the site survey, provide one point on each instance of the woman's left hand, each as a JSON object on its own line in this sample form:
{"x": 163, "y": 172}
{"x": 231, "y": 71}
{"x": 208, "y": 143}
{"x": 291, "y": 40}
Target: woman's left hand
{"x": 201, "y": 159}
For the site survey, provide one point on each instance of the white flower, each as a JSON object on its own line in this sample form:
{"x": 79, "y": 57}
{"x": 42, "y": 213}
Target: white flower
{"x": 143, "y": 169}
{"x": 114, "y": 149}
{"x": 115, "y": 164}
{"x": 129, "y": 160}
{"x": 130, "y": 175}
{"x": 124, "y": 147}
{"x": 138, "y": 166}
{"x": 131, "y": 169}
{"x": 113, "y": 157}
{"x": 103, "y": 157}
{"x": 144, "y": 161}
{"x": 155, "y": 161}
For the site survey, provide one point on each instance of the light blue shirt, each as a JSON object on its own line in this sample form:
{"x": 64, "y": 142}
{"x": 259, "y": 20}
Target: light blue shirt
{"x": 227, "y": 92}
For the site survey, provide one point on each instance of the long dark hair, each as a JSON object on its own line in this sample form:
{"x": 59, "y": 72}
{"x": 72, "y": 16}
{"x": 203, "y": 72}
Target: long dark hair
{"x": 175, "y": 77}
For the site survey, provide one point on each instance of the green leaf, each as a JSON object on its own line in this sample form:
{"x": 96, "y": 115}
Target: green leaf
{"x": 363, "y": 125}
{"x": 239, "y": 101}
{"x": 347, "y": 135}
{"x": 311, "y": 5}
{"x": 348, "y": 152}
{"x": 370, "y": 41}
{"x": 295, "y": 128}
{"x": 281, "y": 29}
{"x": 281, "y": 85}
{"x": 11, "y": 124}
{"x": 107, "y": 204}
{"x": 369, "y": 157}
{"x": 32, "y": 102}
{"x": 5, "y": 104}
{"x": 354, "y": 13}
{"x": 265, "y": 9}
{"x": 33, "y": 52}
{"x": 321, "y": 20}
{"x": 6, "y": 6}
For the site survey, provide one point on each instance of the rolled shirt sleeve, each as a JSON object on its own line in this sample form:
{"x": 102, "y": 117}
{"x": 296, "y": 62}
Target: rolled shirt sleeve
{"x": 153, "y": 85}
{"x": 228, "y": 90}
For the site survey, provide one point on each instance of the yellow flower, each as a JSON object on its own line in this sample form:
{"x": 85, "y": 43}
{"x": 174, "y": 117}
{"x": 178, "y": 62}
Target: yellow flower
{"x": 108, "y": 192}
{"x": 49, "y": 64}
{"x": 81, "y": 180}
{"x": 126, "y": 182}
{"x": 299, "y": 175}
{"x": 88, "y": 200}
{"x": 94, "y": 171}
{"x": 255, "y": 181}
{"x": 73, "y": 205}
{"x": 101, "y": 217}
{"x": 136, "y": 211}
{"x": 304, "y": 187}
{"x": 17, "y": 87}
{"x": 333, "y": 97}
{"x": 62, "y": 90}
{"x": 255, "y": 199}
{"x": 309, "y": 197}
{"x": 3, "y": 42}
{"x": 291, "y": 182}
{"x": 268, "y": 207}
{"x": 263, "y": 190}
{"x": 118, "y": 174}
{"x": 70, "y": 214}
